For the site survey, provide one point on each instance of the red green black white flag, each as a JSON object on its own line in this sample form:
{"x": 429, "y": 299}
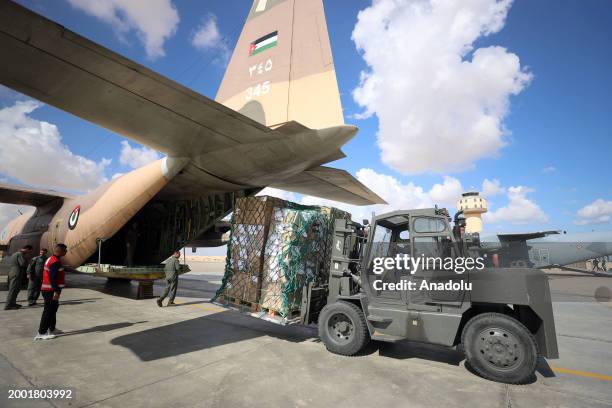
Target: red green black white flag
{"x": 266, "y": 42}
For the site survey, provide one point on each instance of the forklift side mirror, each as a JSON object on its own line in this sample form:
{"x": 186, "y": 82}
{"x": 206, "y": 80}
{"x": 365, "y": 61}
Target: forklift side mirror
{"x": 365, "y": 222}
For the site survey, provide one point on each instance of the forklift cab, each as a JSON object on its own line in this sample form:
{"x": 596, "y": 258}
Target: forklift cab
{"x": 420, "y": 241}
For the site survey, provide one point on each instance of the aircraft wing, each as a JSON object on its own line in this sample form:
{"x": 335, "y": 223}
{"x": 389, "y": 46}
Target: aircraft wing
{"x": 10, "y": 194}
{"x": 58, "y": 67}
{"x": 516, "y": 237}
{"x": 332, "y": 184}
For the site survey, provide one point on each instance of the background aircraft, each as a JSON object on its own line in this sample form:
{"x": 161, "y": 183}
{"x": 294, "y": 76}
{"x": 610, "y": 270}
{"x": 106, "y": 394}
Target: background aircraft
{"x": 276, "y": 120}
{"x": 548, "y": 249}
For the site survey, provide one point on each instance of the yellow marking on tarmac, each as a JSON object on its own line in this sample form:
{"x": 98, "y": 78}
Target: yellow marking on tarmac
{"x": 582, "y": 373}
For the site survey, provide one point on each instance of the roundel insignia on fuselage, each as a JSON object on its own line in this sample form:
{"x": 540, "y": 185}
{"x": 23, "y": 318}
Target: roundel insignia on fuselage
{"x": 74, "y": 217}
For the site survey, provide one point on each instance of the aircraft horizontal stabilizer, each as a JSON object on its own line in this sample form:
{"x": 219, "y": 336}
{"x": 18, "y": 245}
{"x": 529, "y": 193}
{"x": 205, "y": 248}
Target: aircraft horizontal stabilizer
{"x": 10, "y": 194}
{"x": 332, "y": 184}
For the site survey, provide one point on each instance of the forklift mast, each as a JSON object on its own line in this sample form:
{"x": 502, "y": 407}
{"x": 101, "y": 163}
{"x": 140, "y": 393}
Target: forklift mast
{"x": 349, "y": 241}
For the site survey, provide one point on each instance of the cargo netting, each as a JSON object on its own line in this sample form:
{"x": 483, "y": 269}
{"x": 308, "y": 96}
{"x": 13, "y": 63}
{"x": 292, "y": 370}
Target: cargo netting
{"x": 276, "y": 248}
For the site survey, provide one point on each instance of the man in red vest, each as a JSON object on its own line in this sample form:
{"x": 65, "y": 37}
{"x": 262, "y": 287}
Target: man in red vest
{"x": 53, "y": 281}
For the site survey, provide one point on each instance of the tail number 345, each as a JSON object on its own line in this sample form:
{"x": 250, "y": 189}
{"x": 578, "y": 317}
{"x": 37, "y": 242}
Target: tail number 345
{"x": 262, "y": 88}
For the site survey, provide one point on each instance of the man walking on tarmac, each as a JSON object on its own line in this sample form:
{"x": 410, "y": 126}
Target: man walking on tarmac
{"x": 15, "y": 276}
{"x": 35, "y": 271}
{"x": 53, "y": 280}
{"x": 172, "y": 269}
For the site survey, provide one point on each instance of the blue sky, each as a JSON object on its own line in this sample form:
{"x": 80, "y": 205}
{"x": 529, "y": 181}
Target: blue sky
{"x": 557, "y": 153}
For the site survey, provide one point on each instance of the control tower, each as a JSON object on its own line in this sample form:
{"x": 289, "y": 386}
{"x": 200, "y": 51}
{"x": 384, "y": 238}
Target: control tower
{"x": 472, "y": 206}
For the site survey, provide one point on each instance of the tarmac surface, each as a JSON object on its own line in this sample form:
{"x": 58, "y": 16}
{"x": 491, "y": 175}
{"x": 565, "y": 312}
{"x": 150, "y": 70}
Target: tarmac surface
{"x": 119, "y": 352}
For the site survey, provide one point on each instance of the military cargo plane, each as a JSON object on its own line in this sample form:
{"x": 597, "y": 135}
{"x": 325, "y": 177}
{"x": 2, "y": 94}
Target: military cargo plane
{"x": 276, "y": 121}
{"x": 548, "y": 249}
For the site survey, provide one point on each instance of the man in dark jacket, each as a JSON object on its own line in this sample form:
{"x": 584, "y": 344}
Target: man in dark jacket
{"x": 172, "y": 268}
{"x": 35, "y": 272}
{"x": 15, "y": 276}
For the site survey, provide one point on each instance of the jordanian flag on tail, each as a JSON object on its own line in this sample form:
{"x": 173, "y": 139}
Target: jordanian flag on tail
{"x": 264, "y": 43}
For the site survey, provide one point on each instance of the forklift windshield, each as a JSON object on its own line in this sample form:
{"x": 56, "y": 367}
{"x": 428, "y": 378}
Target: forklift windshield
{"x": 422, "y": 234}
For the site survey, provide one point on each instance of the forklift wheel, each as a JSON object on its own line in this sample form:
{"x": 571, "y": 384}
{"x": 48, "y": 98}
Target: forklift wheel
{"x": 500, "y": 348}
{"x": 343, "y": 328}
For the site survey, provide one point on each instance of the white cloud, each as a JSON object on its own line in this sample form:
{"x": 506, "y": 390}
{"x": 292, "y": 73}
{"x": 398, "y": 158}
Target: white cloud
{"x": 597, "y": 212}
{"x": 207, "y": 37}
{"x": 33, "y": 153}
{"x": 399, "y": 195}
{"x": 492, "y": 187}
{"x": 447, "y": 193}
{"x": 136, "y": 157}
{"x": 207, "y": 34}
{"x": 154, "y": 21}
{"x": 549, "y": 169}
{"x": 439, "y": 108}
{"x": 519, "y": 210}
{"x": 8, "y": 212}
{"x": 282, "y": 194}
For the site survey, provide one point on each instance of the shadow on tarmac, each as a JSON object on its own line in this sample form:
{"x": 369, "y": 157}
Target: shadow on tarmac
{"x": 205, "y": 332}
{"x": 77, "y": 301}
{"x": 197, "y": 302}
{"x": 406, "y": 350}
{"x": 101, "y": 328}
{"x": 228, "y": 327}
{"x": 40, "y": 303}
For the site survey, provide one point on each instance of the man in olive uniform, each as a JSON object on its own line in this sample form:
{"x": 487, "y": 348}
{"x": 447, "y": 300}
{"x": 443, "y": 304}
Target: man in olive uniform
{"x": 172, "y": 269}
{"x": 35, "y": 271}
{"x": 15, "y": 276}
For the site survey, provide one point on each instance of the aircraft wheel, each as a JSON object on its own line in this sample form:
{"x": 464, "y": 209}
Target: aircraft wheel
{"x": 343, "y": 328}
{"x": 500, "y": 348}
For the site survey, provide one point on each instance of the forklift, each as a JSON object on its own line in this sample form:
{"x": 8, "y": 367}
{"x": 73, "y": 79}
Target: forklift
{"x": 503, "y": 323}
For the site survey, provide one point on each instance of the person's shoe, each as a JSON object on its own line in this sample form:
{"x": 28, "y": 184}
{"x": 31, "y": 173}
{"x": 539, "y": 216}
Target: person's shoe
{"x": 32, "y": 304}
{"x": 159, "y": 302}
{"x": 54, "y": 331}
{"x": 14, "y": 306}
{"x": 39, "y": 336}
{"x": 171, "y": 304}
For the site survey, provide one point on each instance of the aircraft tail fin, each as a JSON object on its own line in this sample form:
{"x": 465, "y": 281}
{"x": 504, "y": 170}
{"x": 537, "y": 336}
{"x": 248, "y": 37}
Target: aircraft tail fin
{"x": 282, "y": 67}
